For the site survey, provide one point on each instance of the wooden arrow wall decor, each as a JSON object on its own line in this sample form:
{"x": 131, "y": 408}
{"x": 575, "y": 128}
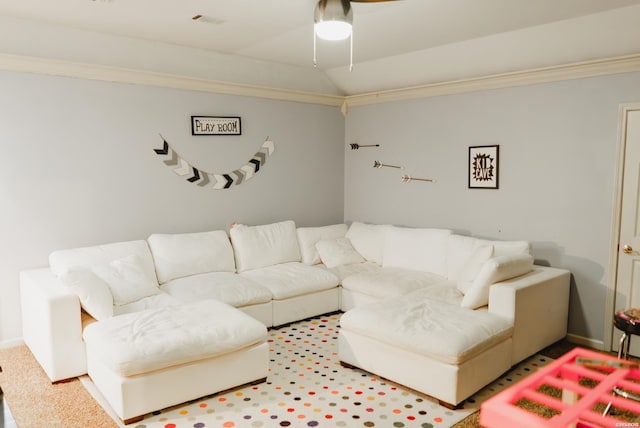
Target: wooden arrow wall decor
{"x": 216, "y": 181}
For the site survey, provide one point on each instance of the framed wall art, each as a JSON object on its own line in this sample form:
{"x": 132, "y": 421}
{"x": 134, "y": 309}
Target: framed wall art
{"x": 215, "y": 125}
{"x": 484, "y": 167}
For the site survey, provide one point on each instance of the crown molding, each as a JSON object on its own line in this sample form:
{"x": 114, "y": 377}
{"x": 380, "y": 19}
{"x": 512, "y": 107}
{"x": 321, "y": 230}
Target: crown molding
{"x": 54, "y": 67}
{"x": 616, "y": 65}
{"x": 63, "y": 68}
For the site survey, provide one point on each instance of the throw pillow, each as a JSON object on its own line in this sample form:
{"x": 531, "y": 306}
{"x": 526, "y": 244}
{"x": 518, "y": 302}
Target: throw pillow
{"x": 495, "y": 270}
{"x": 472, "y": 266}
{"x": 368, "y": 240}
{"x": 127, "y": 279}
{"x": 508, "y": 248}
{"x": 94, "y": 294}
{"x": 308, "y": 237}
{"x": 337, "y": 252}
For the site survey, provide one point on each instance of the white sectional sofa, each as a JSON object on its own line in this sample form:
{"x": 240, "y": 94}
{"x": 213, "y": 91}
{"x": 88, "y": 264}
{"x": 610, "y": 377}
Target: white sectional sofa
{"x": 400, "y": 288}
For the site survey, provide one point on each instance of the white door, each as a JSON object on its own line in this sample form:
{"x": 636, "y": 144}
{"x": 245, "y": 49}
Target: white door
{"x": 627, "y": 291}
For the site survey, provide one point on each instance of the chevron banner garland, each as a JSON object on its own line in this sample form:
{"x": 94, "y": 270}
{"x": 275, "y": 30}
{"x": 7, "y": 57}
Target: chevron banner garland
{"x": 217, "y": 181}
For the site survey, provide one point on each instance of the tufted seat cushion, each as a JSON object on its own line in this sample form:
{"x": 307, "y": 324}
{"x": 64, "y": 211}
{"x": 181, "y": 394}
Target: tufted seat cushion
{"x": 442, "y": 331}
{"x": 392, "y": 282}
{"x": 155, "y": 339}
{"x": 227, "y": 287}
{"x": 292, "y": 279}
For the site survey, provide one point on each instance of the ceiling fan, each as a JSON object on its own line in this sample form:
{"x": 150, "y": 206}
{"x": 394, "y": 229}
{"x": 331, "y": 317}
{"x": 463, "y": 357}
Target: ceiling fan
{"x": 333, "y": 20}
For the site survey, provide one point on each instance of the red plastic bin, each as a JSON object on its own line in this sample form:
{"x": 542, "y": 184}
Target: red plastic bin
{"x": 586, "y": 378}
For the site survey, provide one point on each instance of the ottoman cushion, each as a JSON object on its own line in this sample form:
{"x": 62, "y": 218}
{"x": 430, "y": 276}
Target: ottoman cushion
{"x": 154, "y": 339}
{"x": 439, "y": 330}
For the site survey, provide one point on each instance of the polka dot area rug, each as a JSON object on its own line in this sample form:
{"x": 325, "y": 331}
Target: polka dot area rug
{"x": 307, "y": 387}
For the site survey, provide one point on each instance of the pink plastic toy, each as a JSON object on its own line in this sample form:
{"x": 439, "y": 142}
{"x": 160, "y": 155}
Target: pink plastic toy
{"x": 600, "y": 374}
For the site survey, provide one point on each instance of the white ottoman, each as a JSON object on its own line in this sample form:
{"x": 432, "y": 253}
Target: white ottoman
{"x": 436, "y": 348}
{"x": 157, "y": 358}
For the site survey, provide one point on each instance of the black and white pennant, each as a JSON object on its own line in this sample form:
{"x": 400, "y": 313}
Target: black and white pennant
{"x": 217, "y": 181}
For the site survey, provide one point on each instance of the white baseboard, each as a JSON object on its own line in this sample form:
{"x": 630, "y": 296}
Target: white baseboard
{"x": 11, "y": 343}
{"x": 586, "y": 342}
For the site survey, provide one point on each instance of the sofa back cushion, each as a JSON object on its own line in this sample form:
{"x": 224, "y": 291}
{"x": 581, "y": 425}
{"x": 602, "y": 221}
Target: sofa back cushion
{"x": 125, "y": 267}
{"x": 417, "y": 249}
{"x": 495, "y": 270}
{"x": 265, "y": 245}
{"x": 308, "y": 237}
{"x": 461, "y": 248}
{"x": 94, "y": 294}
{"x": 510, "y": 248}
{"x": 368, "y": 240}
{"x": 127, "y": 279}
{"x": 459, "y": 251}
{"x": 472, "y": 267}
{"x": 180, "y": 255}
{"x": 338, "y": 252}
{"x": 62, "y": 261}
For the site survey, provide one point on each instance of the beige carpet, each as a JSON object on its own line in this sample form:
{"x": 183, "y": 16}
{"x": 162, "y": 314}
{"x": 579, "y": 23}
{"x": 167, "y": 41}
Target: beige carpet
{"x": 36, "y": 403}
{"x": 471, "y": 421}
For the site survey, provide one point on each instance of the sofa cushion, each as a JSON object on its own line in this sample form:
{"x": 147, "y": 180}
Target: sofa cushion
{"x": 460, "y": 248}
{"x": 418, "y": 249}
{"x": 94, "y": 294}
{"x": 472, "y": 267}
{"x": 345, "y": 271}
{"x": 153, "y": 339}
{"x": 179, "y": 255}
{"x": 88, "y": 257}
{"x": 265, "y": 245}
{"x": 495, "y": 270}
{"x": 127, "y": 268}
{"x": 230, "y": 288}
{"x": 368, "y": 240}
{"x": 441, "y": 291}
{"x": 292, "y": 279}
{"x": 308, "y": 237}
{"x": 160, "y": 300}
{"x": 510, "y": 248}
{"x": 127, "y": 279}
{"x": 391, "y": 282}
{"x": 338, "y": 252}
{"x": 439, "y": 330}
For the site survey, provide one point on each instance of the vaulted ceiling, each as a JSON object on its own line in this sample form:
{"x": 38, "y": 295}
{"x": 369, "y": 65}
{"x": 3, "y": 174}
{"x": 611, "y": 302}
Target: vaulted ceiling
{"x": 396, "y": 44}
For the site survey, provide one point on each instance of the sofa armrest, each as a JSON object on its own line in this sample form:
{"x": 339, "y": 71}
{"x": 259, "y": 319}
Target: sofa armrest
{"x": 538, "y": 304}
{"x": 52, "y": 324}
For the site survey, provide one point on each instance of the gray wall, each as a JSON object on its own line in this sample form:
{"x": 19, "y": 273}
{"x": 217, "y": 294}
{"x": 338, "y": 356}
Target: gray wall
{"x": 79, "y": 168}
{"x": 557, "y": 154}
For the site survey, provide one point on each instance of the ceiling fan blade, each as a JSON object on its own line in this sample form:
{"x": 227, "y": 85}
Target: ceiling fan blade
{"x": 370, "y": 1}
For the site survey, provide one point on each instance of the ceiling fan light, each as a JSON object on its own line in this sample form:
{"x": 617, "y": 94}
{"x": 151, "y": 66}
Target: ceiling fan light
{"x": 333, "y": 30}
{"x": 333, "y": 19}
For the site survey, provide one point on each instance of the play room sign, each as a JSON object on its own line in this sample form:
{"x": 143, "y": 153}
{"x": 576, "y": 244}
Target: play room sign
{"x": 215, "y": 125}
